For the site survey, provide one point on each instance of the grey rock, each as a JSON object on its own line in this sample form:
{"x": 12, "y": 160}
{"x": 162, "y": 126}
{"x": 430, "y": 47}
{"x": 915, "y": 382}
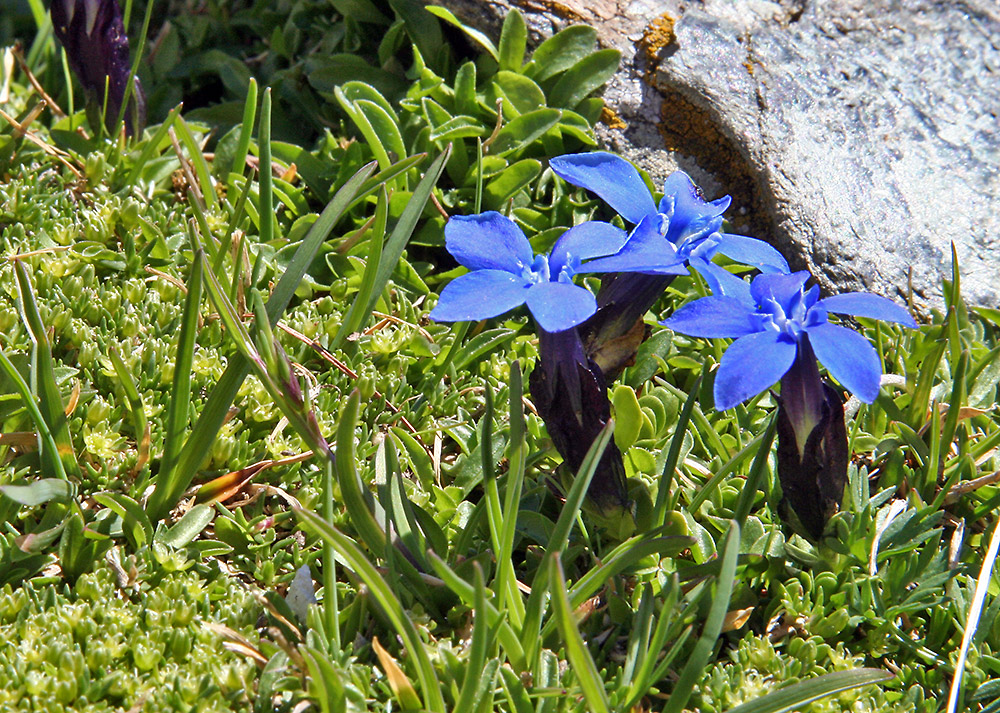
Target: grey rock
{"x": 860, "y": 137}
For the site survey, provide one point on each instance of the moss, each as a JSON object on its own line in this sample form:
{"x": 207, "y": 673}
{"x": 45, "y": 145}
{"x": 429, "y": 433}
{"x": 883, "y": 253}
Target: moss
{"x": 96, "y": 648}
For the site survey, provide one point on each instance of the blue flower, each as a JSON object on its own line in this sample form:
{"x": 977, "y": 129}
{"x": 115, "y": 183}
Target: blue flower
{"x": 504, "y": 272}
{"x": 684, "y": 227}
{"x": 771, "y": 319}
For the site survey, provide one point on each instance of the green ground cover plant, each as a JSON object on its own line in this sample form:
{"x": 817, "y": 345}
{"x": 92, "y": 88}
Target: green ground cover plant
{"x": 220, "y": 390}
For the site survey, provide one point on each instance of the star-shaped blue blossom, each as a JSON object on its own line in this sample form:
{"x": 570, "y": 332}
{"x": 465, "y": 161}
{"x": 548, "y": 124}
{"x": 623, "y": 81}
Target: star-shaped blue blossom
{"x": 504, "y": 273}
{"x": 771, "y": 319}
{"x": 683, "y": 228}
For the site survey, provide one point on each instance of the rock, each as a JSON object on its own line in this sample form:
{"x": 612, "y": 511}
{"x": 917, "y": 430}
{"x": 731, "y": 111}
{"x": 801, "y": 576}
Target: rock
{"x": 859, "y": 137}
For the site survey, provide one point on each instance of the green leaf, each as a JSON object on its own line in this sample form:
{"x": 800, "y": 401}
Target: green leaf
{"x": 584, "y": 77}
{"x": 265, "y": 176}
{"x": 465, "y": 89}
{"x": 798, "y": 695}
{"x": 517, "y": 176}
{"x": 168, "y": 485}
{"x": 150, "y": 146}
{"x": 524, "y": 130}
{"x": 628, "y": 416}
{"x": 138, "y": 412}
{"x": 403, "y": 229}
{"x": 47, "y": 442}
{"x": 140, "y": 530}
{"x": 40, "y": 492}
{"x": 385, "y": 126}
{"x": 458, "y": 127}
{"x": 510, "y": 642}
{"x": 351, "y": 490}
{"x": 246, "y": 129}
{"x": 477, "y": 650}
{"x": 483, "y": 343}
{"x": 358, "y": 314}
{"x": 972, "y": 617}
{"x": 513, "y": 41}
{"x": 188, "y": 527}
{"x": 197, "y": 159}
{"x": 561, "y": 51}
{"x": 357, "y": 91}
{"x": 448, "y": 16}
{"x": 560, "y": 536}
{"x": 523, "y": 94}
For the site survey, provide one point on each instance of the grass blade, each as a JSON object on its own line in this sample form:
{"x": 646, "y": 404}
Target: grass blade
{"x": 396, "y": 243}
{"x": 387, "y": 601}
{"x": 170, "y": 483}
{"x": 757, "y": 470}
{"x": 358, "y": 510}
{"x": 246, "y": 129}
{"x": 694, "y": 670}
{"x": 265, "y": 176}
{"x": 198, "y": 161}
{"x": 205, "y": 430}
{"x": 477, "y": 649}
{"x": 559, "y": 537}
{"x": 509, "y": 640}
{"x": 357, "y": 315}
{"x": 798, "y": 695}
{"x": 151, "y": 146}
{"x": 674, "y": 454}
{"x": 48, "y": 450}
{"x": 506, "y": 584}
{"x": 580, "y": 660}
{"x": 972, "y": 619}
{"x": 43, "y": 377}
{"x": 140, "y": 424}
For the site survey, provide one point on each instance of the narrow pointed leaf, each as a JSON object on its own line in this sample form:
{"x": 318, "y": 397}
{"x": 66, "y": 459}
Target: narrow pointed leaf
{"x": 798, "y": 695}
{"x": 386, "y": 600}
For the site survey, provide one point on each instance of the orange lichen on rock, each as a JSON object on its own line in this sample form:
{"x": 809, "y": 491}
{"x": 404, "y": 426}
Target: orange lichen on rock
{"x": 657, "y": 35}
{"x": 610, "y": 118}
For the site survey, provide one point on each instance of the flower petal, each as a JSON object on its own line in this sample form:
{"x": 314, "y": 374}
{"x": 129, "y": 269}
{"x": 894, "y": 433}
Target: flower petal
{"x": 559, "y": 305}
{"x": 488, "y": 241}
{"x": 849, "y": 358}
{"x": 777, "y": 286}
{"x": 750, "y": 365}
{"x": 712, "y": 317}
{"x": 688, "y": 209}
{"x": 751, "y": 251}
{"x": 480, "y": 295}
{"x": 612, "y": 178}
{"x": 863, "y": 304}
{"x": 722, "y": 282}
{"x": 585, "y": 241}
{"x": 646, "y": 251}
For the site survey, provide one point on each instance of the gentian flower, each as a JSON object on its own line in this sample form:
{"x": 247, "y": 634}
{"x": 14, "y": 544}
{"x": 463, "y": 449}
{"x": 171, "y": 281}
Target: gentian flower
{"x": 781, "y": 328}
{"x": 97, "y": 48}
{"x": 683, "y": 228}
{"x": 770, "y": 321}
{"x": 504, "y": 273}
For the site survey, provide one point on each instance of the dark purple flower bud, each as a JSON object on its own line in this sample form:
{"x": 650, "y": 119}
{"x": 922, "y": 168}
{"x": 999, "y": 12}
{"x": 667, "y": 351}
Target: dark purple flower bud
{"x": 570, "y": 393}
{"x": 97, "y": 48}
{"x": 812, "y": 443}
